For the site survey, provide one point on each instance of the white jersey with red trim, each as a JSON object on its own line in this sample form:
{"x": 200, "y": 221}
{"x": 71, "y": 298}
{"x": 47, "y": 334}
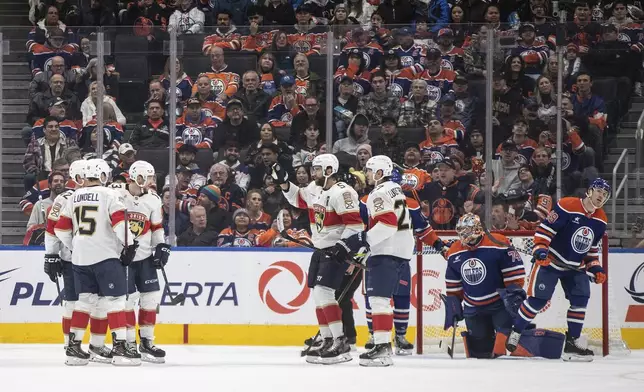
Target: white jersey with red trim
{"x": 334, "y": 213}
{"x": 91, "y": 225}
{"x": 390, "y": 230}
{"x": 53, "y": 245}
{"x": 145, "y": 219}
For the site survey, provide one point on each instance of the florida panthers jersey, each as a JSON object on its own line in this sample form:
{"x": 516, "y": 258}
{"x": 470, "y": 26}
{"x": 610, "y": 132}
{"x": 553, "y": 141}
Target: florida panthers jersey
{"x": 53, "y": 245}
{"x": 571, "y": 234}
{"x": 475, "y": 274}
{"x": 390, "y": 231}
{"x": 334, "y": 213}
{"x": 145, "y": 221}
{"x": 91, "y": 224}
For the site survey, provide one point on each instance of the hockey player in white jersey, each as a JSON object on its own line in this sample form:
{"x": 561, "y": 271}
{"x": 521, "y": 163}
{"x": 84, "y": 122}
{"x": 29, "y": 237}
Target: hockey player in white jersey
{"x": 390, "y": 241}
{"x": 91, "y": 225}
{"x": 334, "y": 212}
{"x": 145, "y": 221}
{"x": 58, "y": 263}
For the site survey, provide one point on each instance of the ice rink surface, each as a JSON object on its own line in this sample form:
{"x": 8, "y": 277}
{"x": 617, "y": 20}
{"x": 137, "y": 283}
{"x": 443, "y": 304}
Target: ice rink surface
{"x": 259, "y": 369}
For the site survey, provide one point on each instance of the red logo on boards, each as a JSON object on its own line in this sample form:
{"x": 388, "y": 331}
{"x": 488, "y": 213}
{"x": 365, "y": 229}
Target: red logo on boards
{"x": 267, "y": 297}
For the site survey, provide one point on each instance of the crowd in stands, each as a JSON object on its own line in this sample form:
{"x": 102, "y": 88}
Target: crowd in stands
{"x": 408, "y": 82}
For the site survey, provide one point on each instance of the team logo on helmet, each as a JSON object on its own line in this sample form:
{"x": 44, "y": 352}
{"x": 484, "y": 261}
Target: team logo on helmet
{"x": 192, "y": 135}
{"x": 320, "y": 214}
{"x": 582, "y": 240}
{"x": 473, "y": 271}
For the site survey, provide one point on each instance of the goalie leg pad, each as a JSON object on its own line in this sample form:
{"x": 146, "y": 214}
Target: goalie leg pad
{"x": 148, "y": 313}
{"x": 325, "y": 302}
{"x": 383, "y": 319}
{"x": 477, "y": 347}
{"x": 540, "y": 343}
{"x": 480, "y": 336}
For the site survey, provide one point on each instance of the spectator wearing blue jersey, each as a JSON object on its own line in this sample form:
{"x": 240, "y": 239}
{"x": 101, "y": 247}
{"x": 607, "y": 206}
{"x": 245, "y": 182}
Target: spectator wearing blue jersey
{"x": 438, "y": 13}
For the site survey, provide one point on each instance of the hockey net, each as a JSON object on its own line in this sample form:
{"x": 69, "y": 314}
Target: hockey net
{"x": 601, "y": 331}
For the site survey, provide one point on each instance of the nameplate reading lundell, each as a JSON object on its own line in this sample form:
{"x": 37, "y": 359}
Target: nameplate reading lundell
{"x": 85, "y": 197}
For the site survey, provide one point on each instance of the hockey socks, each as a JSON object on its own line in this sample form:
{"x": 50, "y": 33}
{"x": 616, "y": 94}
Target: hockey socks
{"x": 576, "y": 315}
{"x": 383, "y": 319}
{"x": 328, "y": 311}
{"x": 147, "y": 320}
{"x": 527, "y": 312}
{"x": 401, "y": 314}
{"x": 98, "y": 330}
{"x": 130, "y": 324}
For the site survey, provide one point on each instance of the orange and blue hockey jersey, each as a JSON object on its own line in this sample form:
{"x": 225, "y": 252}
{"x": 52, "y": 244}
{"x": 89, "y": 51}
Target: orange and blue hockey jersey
{"x": 399, "y": 81}
{"x": 475, "y": 274}
{"x": 535, "y": 56}
{"x": 438, "y": 84}
{"x": 371, "y": 54}
{"x": 262, "y": 223}
{"x": 415, "y": 54}
{"x": 279, "y": 115}
{"x": 39, "y": 191}
{"x": 199, "y": 133}
{"x": 571, "y": 234}
{"x": 41, "y": 56}
{"x": 230, "y": 237}
{"x": 222, "y": 81}
{"x": 453, "y": 59}
{"x": 67, "y": 127}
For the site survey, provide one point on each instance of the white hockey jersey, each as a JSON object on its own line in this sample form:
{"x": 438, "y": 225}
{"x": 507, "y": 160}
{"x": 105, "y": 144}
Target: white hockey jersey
{"x": 145, "y": 219}
{"x": 91, "y": 225}
{"x": 53, "y": 245}
{"x": 390, "y": 230}
{"x": 334, "y": 213}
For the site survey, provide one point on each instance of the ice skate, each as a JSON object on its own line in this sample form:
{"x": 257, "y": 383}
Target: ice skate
{"x": 403, "y": 346}
{"x": 314, "y": 341}
{"x": 338, "y": 353}
{"x": 124, "y": 354}
{"x": 352, "y": 343}
{"x": 574, "y": 352}
{"x": 75, "y": 356}
{"x": 313, "y": 356}
{"x": 378, "y": 356}
{"x": 150, "y": 352}
{"x": 100, "y": 354}
{"x": 513, "y": 341}
{"x": 369, "y": 345}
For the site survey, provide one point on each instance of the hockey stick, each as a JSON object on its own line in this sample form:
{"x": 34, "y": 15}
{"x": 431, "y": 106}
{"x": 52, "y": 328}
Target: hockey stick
{"x": 180, "y": 298}
{"x": 450, "y": 349}
{"x": 60, "y": 293}
{"x": 285, "y": 235}
{"x": 344, "y": 292}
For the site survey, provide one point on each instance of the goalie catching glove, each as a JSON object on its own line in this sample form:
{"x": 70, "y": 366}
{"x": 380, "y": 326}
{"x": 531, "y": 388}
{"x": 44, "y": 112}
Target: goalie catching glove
{"x": 596, "y": 271}
{"x": 128, "y": 253}
{"x": 53, "y": 266}
{"x": 161, "y": 255}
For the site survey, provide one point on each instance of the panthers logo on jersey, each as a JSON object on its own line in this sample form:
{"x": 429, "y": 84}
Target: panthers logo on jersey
{"x": 136, "y": 221}
{"x": 192, "y": 135}
{"x": 320, "y": 213}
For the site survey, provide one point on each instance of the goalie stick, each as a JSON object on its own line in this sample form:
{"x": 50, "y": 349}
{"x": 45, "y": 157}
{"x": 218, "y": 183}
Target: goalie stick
{"x": 344, "y": 292}
{"x": 285, "y": 235}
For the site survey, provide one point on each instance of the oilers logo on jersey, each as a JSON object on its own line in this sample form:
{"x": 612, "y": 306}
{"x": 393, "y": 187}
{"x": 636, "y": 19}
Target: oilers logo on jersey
{"x": 287, "y": 117}
{"x": 410, "y": 180}
{"x": 623, "y": 38}
{"x": 396, "y": 89}
{"x": 406, "y": 61}
{"x": 473, "y": 271}
{"x": 192, "y": 135}
{"x": 301, "y": 46}
{"x": 367, "y": 58}
{"x": 358, "y": 90}
{"x": 242, "y": 242}
{"x": 136, "y": 221}
{"x": 446, "y": 64}
{"x": 442, "y": 211}
{"x": 565, "y": 160}
{"x": 434, "y": 93}
{"x": 217, "y": 86}
{"x": 582, "y": 240}
{"x": 320, "y": 213}
{"x": 300, "y": 90}
{"x": 459, "y": 105}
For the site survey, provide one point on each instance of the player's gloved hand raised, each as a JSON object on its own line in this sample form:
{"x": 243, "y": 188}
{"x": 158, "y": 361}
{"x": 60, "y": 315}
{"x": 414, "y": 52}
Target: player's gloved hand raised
{"x": 127, "y": 255}
{"x": 443, "y": 247}
{"x": 595, "y": 269}
{"x": 53, "y": 266}
{"x": 280, "y": 176}
{"x": 161, "y": 255}
{"x": 541, "y": 257}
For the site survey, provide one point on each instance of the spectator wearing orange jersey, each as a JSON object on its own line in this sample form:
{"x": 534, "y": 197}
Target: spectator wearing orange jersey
{"x": 414, "y": 178}
{"x": 439, "y": 141}
{"x": 209, "y": 100}
{"x": 447, "y": 113}
{"x": 272, "y": 237}
{"x": 307, "y": 83}
{"x": 305, "y": 36}
{"x": 239, "y": 234}
{"x": 259, "y": 219}
{"x": 226, "y": 35}
{"x": 224, "y": 83}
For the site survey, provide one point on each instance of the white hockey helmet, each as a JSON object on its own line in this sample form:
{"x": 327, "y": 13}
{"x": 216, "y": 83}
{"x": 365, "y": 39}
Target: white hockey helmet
{"x": 325, "y": 161}
{"x": 99, "y": 169}
{"x": 380, "y": 162}
{"x": 141, "y": 169}
{"x": 77, "y": 171}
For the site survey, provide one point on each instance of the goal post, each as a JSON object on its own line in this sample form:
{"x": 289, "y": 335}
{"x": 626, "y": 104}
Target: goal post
{"x": 603, "y": 332}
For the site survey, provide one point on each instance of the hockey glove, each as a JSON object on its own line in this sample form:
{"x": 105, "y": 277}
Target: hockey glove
{"x": 279, "y": 221}
{"x": 127, "y": 255}
{"x": 442, "y": 247}
{"x": 353, "y": 246}
{"x": 53, "y": 266}
{"x": 161, "y": 255}
{"x": 512, "y": 296}
{"x": 541, "y": 257}
{"x": 595, "y": 269}
{"x": 280, "y": 176}
{"x": 453, "y": 311}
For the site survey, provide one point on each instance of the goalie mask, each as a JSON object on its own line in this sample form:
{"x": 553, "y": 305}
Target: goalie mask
{"x": 469, "y": 229}
{"x": 379, "y": 163}
{"x": 599, "y": 192}
{"x": 142, "y": 173}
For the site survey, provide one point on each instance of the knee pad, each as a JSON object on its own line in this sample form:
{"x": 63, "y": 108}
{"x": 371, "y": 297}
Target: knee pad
{"x": 115, "y": 304}
{"x": 100, "y": 310}
{"x": 86, "y": 302}
{"x": 69, "y": 309}
{"x": 131, "y": 301}
{"x": 323, "y": 295}
{"x": 380, "y": 305}
{"x": 150, "y": 301}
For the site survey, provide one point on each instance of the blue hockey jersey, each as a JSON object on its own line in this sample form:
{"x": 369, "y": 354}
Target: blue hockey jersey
{"x": 475, "y": 274}
{"x": 571, "y": 234}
